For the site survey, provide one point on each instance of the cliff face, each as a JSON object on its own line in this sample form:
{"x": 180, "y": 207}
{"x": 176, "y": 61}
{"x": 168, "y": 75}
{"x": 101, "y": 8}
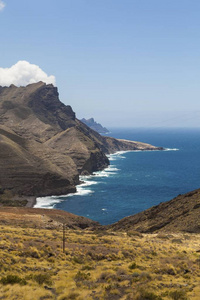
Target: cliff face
{"x": 43, "y": 147}
{"x": 34, "y": 111}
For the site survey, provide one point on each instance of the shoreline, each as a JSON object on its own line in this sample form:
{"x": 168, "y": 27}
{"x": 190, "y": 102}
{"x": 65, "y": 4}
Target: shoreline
{"x": 82, "y": 182}
{"x": 33, "y": 202}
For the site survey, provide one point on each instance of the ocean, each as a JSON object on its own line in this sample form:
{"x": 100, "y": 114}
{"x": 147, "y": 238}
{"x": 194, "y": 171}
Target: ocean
{"x": 136, "y": 180}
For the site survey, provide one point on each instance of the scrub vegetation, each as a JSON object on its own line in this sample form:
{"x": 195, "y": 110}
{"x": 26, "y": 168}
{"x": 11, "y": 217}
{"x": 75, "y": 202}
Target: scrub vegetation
{"x": 97, "y": 264}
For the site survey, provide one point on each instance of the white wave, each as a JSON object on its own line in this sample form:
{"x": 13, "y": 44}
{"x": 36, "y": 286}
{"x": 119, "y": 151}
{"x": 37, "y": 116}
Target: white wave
{"x": 82, "y": 192}
{"x": 84, "y": 177}
{"x": 102, "y": 173}
{"x": 122, "y": 152}
{"x": 47, "y": 202}
{"x": 171, "y": 149}
{"x": 111, "y": 157}
{"x": 88, "y": 183}
{"x": 111, "y": 168}
{"x": 116, "y": 155}
{"x": 81, "y": 189}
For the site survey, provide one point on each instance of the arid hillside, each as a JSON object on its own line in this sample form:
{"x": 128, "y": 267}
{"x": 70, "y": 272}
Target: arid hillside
{"x": 181, "y": 214}
{"x": 92, "y": 263}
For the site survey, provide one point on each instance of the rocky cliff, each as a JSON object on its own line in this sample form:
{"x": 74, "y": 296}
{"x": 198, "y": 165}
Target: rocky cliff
{"x": 94, "y": 125}
{"x": 44, "y": 147}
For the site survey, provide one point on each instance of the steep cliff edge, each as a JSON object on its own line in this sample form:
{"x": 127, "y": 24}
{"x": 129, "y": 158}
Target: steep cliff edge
{"x": 44, "y": 147}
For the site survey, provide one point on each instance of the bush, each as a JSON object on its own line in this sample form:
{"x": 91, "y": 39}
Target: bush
{"x": 178, "y": 295}
{"x": 133, "y": 266}
{"x": 144, "y": 295}
{"x": 42, "y": 278}
{"x": 12, "y": 279}
{"x": 78, "y": 259}
{"x": 80, "y": 276}
{"x": 87, "y": 267}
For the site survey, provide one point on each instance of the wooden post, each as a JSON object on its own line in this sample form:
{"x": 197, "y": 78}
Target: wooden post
{"x": 63, "y": 237}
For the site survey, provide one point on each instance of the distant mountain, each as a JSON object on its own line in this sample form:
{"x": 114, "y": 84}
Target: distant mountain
{"x": 44, "y": 147}
{"x": 94, "y": 125}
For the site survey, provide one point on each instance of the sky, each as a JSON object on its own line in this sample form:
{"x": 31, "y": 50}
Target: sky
{"x": 127, "y": 63}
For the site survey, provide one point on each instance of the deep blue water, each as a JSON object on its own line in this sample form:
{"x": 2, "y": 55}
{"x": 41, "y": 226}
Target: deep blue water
{"x": 137, "y": 180}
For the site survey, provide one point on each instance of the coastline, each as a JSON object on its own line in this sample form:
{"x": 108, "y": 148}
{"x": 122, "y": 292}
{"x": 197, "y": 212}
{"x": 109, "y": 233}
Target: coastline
{"x": 53, "y": 199}
{"x": 83, "y": 183}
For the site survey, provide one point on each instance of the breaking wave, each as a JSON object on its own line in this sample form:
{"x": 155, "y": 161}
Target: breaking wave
{"x": 81, "y": 190}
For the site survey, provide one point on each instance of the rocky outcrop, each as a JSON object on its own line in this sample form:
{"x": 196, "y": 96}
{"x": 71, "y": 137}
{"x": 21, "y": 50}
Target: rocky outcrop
{"x": 94, "y": 125}
{"x": 34, "y": 111}
{"x": 43, "y": 147}
{"x": 114, "y": 145}
{"x": 179, "y": 214}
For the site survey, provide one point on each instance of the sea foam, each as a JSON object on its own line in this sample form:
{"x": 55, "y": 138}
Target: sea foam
{"x": 81, "y": 189}
{"x": 47, "y": 202}
{"x": 171, "y": 149}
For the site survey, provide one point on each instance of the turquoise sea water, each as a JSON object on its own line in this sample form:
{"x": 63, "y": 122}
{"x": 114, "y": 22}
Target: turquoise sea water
{"x": 137, "y": 180}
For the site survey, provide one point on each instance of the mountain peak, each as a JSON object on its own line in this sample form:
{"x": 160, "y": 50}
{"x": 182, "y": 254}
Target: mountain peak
{"x": 94, "y": 125}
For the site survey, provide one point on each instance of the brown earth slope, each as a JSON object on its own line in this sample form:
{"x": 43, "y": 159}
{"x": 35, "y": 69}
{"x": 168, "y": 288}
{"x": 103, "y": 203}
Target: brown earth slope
{"x": 43, "y": 147}
{"x": 43, "y": 218}
{"x": 179, "y": 214}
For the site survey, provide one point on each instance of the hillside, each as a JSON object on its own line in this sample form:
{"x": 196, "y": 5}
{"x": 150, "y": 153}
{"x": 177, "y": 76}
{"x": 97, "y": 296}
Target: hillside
{"x": 153, "y": 255}
{"x": 44, "y": 147}
{"x": 95, "y": 263}
{"x": 181, "y": 214}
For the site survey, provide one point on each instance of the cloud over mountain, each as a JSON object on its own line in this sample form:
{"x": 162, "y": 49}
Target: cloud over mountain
{"x": 2, "y": 5}
{"x": 24, "y": 73}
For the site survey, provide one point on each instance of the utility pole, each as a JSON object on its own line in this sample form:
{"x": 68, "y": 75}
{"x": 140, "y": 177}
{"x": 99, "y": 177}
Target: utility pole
{"x": 63, "y": 237}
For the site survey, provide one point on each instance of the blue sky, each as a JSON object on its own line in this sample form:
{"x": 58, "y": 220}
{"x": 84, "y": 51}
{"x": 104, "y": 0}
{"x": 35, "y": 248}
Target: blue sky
{"x": 123, "y": 62}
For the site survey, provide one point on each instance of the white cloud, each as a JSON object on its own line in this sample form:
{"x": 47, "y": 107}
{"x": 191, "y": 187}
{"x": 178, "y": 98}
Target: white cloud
{"x": 2, "y": 5}
{"x": 24, "y": 73}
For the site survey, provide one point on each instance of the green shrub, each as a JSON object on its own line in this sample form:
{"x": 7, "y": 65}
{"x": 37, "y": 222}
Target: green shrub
{"x": 13, "y": 279}
{"x": 42, "y": 278}
{"x": 178, "y": 295}
{"x": 80, "y": 276}
{"x": 87, "y": 267}
{"x": 145, "y": 295}
{"x": 78, "y": 259}
{"x": 133, "y": 266}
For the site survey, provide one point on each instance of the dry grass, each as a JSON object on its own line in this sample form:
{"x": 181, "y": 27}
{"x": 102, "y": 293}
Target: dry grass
{"x": 98, "y": 265}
